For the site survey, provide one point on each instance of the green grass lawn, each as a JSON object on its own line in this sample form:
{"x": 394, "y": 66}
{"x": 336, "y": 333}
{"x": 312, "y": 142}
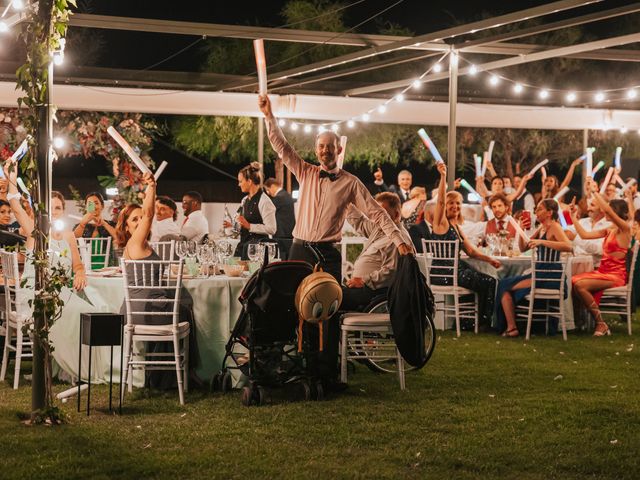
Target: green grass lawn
{"x": 484, "y": 407}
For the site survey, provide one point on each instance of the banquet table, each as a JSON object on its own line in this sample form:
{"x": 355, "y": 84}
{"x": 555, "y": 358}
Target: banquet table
{"x": 519, "y": 265}
{"x": 215, "y": 311}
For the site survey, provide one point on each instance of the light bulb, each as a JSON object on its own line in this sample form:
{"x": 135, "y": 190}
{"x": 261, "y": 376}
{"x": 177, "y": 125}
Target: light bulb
{"x": 571, "y": 97}
{"x": 473, "y": 70}
{"x": 58, "y": 58}
{"x": 632, "y": 94}
{"x": 544, "y": 94}
{"x": 307, "y": 128}
{"x": 623, "y": 130}
{"x": 4, "y": 27}
{"x": 58, "y": 142}
{"x": 494, "y": 80}
{"x": 351, "y": 124}
{"x": 321, "y": 129}
{"x": 294, "y": 126}
{"x": 416, "y": 84}
{"x": 334, "y": 127}
{"x": 437, "y": 68}
{"x": 282, "y": 122}
{"x": 518, "y": 88}
{"x": 365, "y": 117}
{"x": 599, "y": 96}
{"x": 400, "y": 98}
{"x": 382, "y": 109}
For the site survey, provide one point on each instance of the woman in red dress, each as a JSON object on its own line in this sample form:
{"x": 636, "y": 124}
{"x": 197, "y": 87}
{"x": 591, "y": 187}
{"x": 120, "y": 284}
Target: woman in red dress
{"x": 612, "y": 272}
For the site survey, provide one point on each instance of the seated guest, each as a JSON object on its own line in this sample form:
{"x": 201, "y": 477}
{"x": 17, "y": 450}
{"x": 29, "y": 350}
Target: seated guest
{"x": 373, "y": 270}
{"x": 512, "y": 290}
{"x": 92, "y": 225}
{"x": 5, "y": 218}
{"x": 445, "y": 227}
{"x": 257, "y": 217}
{"x": 413, "y": 209}
{"x": 165, "y": 226}
{"x": 195, "y": 226}
{"x": 595, "y": 220}
{"x": 550, "y": 184}
{"x": 499, "y": 223}
{"x": 403, "y": 189}
{"x": 612, "y": 271}
{"x": 285, "y": 215}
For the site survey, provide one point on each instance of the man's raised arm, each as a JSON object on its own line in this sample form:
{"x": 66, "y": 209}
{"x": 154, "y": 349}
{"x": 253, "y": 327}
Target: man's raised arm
{"x": 279, "y": 144}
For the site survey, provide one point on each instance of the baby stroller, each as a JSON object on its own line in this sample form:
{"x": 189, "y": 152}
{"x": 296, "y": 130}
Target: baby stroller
{"x": 263, "y": 345}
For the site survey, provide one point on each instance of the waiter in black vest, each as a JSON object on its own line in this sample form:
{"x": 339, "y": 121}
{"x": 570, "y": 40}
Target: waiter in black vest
{"x": 257, "y": 214}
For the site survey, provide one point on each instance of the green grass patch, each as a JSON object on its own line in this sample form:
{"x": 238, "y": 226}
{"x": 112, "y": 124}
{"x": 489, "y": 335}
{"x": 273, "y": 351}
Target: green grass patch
{"x": 484, "y": 407}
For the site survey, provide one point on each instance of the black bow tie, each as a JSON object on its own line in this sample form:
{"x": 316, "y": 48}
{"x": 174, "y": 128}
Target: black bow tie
{"x": 331, "y": 176}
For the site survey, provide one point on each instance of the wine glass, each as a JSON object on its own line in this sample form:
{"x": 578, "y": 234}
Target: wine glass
{"x": 192, "y": 248}
{"x": 181, "y": 249}
{"x": 224, "y": 249}
{"x": 253, "y": 252}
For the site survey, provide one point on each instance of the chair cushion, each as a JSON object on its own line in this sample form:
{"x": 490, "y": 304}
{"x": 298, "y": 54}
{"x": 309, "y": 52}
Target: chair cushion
{"x": 366, "y": 319}
{"x": 183, "y": 327}
{"x": 616, "y": 291}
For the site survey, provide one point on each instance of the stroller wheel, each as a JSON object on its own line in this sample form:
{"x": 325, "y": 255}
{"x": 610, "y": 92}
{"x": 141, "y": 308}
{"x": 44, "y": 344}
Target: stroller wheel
{"x": 247, "y": 396}
{"x": 318, "y": 391}
{"x": 226, "y": 382}
{"x": 260, "y": 395}
{"x": 306, "y": 390}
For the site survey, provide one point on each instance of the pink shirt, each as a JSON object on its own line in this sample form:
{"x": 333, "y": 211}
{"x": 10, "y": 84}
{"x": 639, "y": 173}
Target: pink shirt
{"x": 323, "y": 203}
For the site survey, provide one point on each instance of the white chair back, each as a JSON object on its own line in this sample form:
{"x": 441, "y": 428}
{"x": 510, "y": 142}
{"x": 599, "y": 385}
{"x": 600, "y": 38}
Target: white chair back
{"x": 165, "y": 250}
{"x": 95, "y": 252}
{"x": 442, "y": 261}
{"x": 148, "y": 281}
{"x": 548, "y": 269}
{"x": 632, "y": 268}
{"x": 11, "y": 275}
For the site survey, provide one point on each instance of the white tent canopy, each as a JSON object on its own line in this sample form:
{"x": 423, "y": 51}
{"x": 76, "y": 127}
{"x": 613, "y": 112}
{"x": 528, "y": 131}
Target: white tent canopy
{"x": 328, "y": 108}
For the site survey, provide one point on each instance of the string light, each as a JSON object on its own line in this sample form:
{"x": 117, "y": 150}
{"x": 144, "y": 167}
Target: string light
{"x": 58, "y": 58}
{"x": 599, "y": 97}
{"x": 473, "y": 70}
{"x": 571, "y": 97}
{"x": 282, "y": 122}
{"x": 58, "y": 142}
{"x": 416, "y": 84}
{"x": 494, "y": 80}
{"x": 544, "y": 94}
{"x": 321, "y": 129}
{"x": 518, "y": 88}
{"x": 365, "y": 117}
{"x": 307, "y": 129}
{"x": 334, "y": 127}
{"x": 4, "y": 27}
{"x": 437, "y": 68}
{"x": 294, "y": 126}
{"x": 631, "y": 94}
{"x": 400, "y": 98}
{"x": 351, "y": 124}
{"x": 382, "y": 109}
{"x": 623, "y": 130}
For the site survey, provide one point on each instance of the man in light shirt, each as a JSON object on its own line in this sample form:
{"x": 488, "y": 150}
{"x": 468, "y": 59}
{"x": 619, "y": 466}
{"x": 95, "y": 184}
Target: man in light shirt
{"x": 594, "y": 220}
{"x": 373, "y": 270}
{"x": 325, "y": 193}
{"x": 195, "y": 226}
{"x": 165, "y": 226}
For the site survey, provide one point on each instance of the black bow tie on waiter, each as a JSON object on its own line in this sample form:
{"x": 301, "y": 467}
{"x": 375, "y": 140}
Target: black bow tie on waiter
{"x": 331, "y": 176}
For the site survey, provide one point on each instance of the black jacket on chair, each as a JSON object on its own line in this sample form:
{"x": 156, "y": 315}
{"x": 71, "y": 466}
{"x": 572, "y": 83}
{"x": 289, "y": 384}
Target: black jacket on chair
{"x": 410, "y": 300}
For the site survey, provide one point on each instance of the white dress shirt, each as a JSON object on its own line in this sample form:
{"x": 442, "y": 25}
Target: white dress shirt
{"x": 267, "y": 212}
{"x": 195, "y": 226}
{"x": 164, "y": 227}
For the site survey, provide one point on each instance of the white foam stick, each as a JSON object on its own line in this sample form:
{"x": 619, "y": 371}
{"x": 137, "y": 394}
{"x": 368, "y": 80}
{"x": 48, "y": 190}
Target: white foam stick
{"x": 22, "y": 186}
{"x": 478, "y": 162}
{"x": 626, "y": 186}
{"x": 492, "y": 144}
{"x": 70, "y": 392}
{"x": 75, "y": 217}
{"x": 617, "y": 161}
{"x": 539, "y": 166}
{"x": 561, "y": 193}
{"x": 488, "y": 212}
{"x": 128, "y": 150}
{"x": 619, "y": 180}
{"x": 485, "y": 160}
{"x": 518, "y": 229}
{"x": 607, "y": 179}
{"x": 597, "y": 169}
{"x": 161, "y": 168}
{"x": 343, "y": 145}
{"x": 563, "y": 221}
{"x": 261, "y": 65}
{"x": 464, "y": 184}
{"x": 430, "y": 145}
{"x": 21, "y": 150}
{"x": 589, "y": 161}
{"x": 543, "y": 172}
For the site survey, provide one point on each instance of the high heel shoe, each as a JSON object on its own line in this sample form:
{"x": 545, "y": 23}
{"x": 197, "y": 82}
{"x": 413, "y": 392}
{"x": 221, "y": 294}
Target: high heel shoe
{"x": 602, "y": 329}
